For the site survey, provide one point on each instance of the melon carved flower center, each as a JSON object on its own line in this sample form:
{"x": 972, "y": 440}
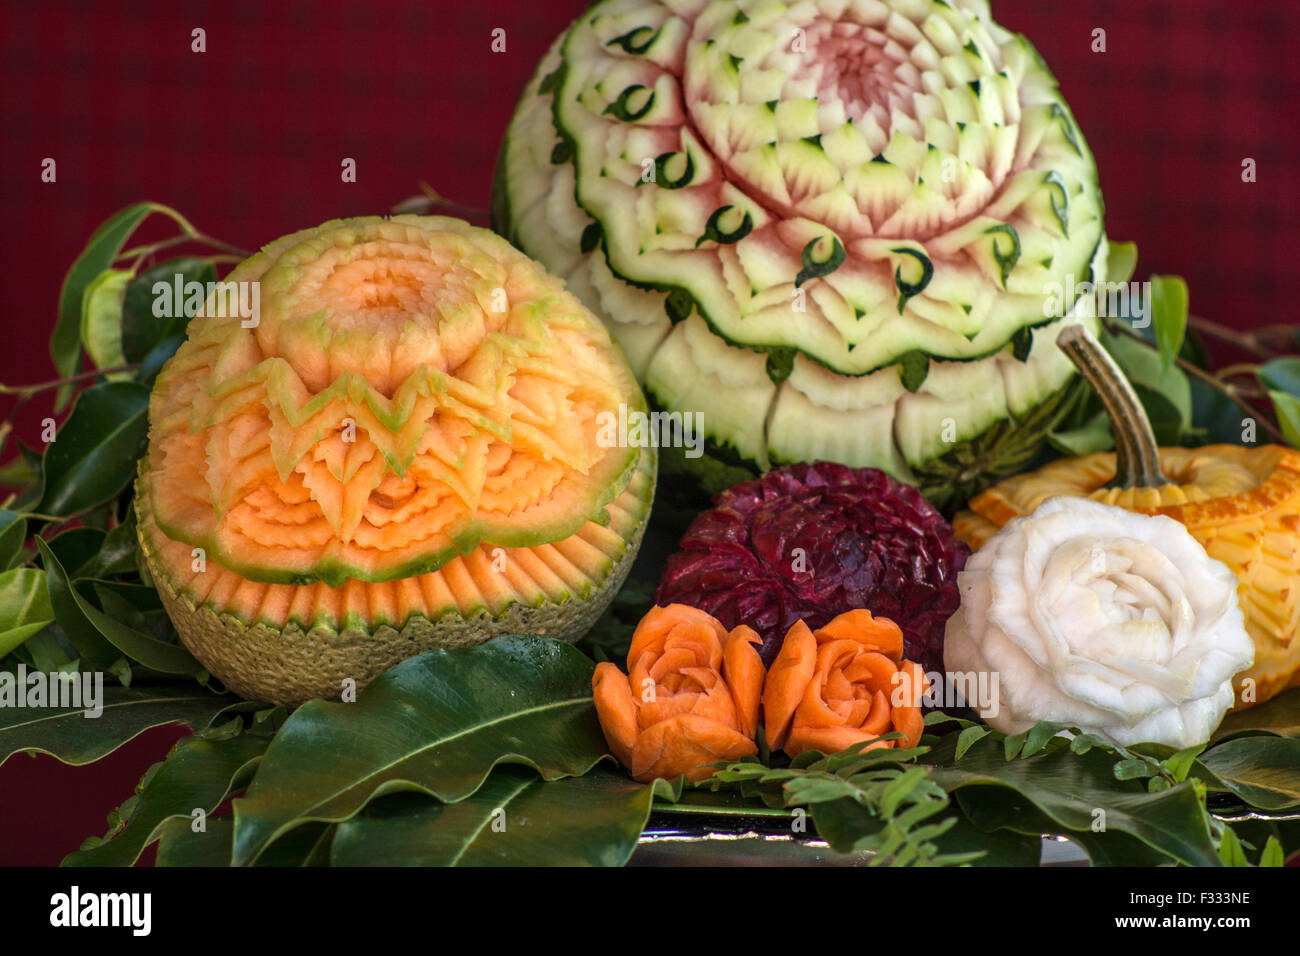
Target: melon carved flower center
{"x": 411, "y": 389}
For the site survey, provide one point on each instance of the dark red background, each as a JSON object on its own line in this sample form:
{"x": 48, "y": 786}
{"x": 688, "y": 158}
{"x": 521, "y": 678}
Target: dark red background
{"x": 247, "y": 139}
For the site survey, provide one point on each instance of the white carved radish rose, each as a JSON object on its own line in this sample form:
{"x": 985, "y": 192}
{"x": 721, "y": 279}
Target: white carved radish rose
{"x": 1116, "y": 622}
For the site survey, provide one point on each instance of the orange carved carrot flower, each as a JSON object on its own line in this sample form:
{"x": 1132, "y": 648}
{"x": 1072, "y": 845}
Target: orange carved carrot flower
{"x": 845, "y": 683}
{"x": 690, "y": 696}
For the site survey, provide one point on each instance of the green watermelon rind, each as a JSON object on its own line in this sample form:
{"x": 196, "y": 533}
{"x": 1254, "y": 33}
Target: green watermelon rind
{"x": 501, "y": 221}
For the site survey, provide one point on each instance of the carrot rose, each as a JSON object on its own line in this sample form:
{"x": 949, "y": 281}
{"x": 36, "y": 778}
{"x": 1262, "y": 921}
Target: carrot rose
{"x": 690, "y": 698}
{"x": 845, "y": 683}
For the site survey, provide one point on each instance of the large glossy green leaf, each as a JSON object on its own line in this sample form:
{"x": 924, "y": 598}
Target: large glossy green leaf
{"x": 1263, "y": 770}
{"x": 142, "y": 331}
{"x": 24, "y": 606}
{"x": 439, "y": 723}
{"x": 198, "y": 774}
{"x": 94, "y": 454}
{"x": 514, "y": 819}
{"x": 182, "y": 845}
{"x": 72, "y": 737}
{"x": 1069, "y": 787}
{"x": 1001, "y": 810}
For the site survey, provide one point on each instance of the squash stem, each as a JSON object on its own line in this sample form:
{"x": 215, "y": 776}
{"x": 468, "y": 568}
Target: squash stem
{"x": 1137, "y": 457}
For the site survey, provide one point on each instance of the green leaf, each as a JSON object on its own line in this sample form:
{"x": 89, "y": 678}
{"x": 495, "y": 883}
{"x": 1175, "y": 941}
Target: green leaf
{"x": 45, "y": 652}
{"x": 1281, "y": 374}
{"x": 514, "y": 819}
{"x": 1230, "y": 849}
{"x": 198, "y": 774}
{"x": 996, "y": 848}
{"x": 116, "y": 555}
{"x": 1263, "y": 770}
{"x": 438, "y": 722}
{"x": 13, "y": 533}
{"x": 1280, "y": 715}
{"x": 94, "y": 454}
{"x": 1145, "y": 370}
{"x": 1180, "y": 763}
{"x": 1068, "y": 787}
{"x": 1272, "y": 854}
{"x": 152, "y": 363}
{"x": 181, "y": 845}
{"x": 24, "y": 606}
{"x": 23, "y": 469}
{"x": 68, "y": 735}
{"x": 1219, "y": 418}
{"x": 76, "y": 547}
{"x": 967, "y": 739}
{"x": 1001, "y": 810}
{"x": 1040, "y": 735}
{"x": 1133, "y": 769}
{"x": 1121, "y": 261}
{"x": 1288, "y": 416}
{"x": 101, "y": 320}
{"x": 143, "y": 648}
{"x": 95, "y": 652}
{"x": 100, "y": 251}
{"x": 1169, "y": 315}
{"x": 142, "y": 331}
{"x": 1088, "y": 438}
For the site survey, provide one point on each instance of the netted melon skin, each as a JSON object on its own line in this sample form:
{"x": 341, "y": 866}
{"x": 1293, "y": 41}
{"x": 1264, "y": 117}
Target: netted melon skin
{"x": 289, "y": 666}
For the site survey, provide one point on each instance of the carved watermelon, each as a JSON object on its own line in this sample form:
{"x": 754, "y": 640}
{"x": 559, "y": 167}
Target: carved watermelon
{"x": 834, "y": 229}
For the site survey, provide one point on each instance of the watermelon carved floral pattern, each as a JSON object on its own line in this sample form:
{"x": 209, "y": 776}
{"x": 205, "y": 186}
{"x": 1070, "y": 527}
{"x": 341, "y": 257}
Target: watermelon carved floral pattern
{"x": 843, "y": 216}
